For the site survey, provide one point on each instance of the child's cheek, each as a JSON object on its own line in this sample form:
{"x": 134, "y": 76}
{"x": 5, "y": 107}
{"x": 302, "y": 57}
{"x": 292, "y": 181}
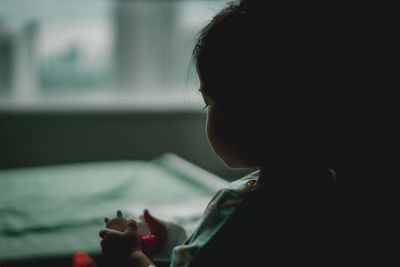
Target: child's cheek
{"x": 217, "y": 133}
{"x": 212, "y": 128}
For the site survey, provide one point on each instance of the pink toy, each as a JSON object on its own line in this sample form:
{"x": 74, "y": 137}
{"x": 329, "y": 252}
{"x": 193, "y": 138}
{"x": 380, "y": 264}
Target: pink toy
{"x": 149, "y": 242}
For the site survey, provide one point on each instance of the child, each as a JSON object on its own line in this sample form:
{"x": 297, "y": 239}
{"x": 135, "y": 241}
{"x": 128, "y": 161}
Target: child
{"x": 272, "y": 76}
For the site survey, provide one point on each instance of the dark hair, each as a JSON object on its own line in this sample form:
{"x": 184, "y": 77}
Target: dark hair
{"x": 290, "y": 67}
{"x": 224, "y": 47}
{"x": 266, "y": 68}
{"x": 297, "y": 48}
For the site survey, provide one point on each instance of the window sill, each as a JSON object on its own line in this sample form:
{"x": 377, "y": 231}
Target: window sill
{"x": 110, "y": 104}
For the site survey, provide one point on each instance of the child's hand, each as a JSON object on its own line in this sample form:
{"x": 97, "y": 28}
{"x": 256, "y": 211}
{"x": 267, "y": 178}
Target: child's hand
{"x": 118, "y": 246}
{"x": 156, "y": 227}
{"x": 154, "y": 240}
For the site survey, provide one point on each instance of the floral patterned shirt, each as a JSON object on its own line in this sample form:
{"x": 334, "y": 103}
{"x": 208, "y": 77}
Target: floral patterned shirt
{"x": 217, "y": 213}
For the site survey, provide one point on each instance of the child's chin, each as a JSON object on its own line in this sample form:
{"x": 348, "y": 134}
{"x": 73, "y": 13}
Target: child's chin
{"x": 238, "y": 164}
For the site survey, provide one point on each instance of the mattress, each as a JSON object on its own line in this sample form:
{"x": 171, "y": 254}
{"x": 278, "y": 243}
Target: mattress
{"x": 55, "y": 211}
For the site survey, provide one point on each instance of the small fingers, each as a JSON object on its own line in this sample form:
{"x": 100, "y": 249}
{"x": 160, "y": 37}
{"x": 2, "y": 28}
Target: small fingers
{"x": 102, "y": 243}
{"x": 151, "y": 221}
{"x": 148, "y": 217}
{"x": 131, "y": 226}
{"x": 109, "y": 233}
{"x": 103, "y": 233}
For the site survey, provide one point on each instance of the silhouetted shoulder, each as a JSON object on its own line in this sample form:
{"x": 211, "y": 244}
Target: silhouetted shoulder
{"x": 280, "y": 227}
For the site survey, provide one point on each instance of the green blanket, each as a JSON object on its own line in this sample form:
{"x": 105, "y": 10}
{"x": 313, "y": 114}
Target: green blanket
{"x": 55, "y": 211}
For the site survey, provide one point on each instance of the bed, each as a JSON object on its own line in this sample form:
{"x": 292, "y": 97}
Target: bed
{"x": 51, "y": 212}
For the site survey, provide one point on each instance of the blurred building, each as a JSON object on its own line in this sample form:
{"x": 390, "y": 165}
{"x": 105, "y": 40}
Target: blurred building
{"x": 7, "y": 58}
{"x": 27, "y": 61}
{"x": 143, "y": 35}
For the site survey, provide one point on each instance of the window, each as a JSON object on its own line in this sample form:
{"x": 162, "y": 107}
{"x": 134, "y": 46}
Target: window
{"x": 58, "y": 52}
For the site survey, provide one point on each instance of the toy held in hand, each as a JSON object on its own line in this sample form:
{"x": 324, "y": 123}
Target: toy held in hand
{"x": 150, "y": 241}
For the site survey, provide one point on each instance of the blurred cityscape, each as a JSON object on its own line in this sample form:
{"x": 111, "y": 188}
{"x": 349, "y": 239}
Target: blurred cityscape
{"x": 55, "y": 48}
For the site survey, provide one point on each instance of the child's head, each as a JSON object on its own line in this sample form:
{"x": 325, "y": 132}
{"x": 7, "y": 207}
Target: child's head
{"x": 270, "y": 77}
{"x": 225, "y": 65}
